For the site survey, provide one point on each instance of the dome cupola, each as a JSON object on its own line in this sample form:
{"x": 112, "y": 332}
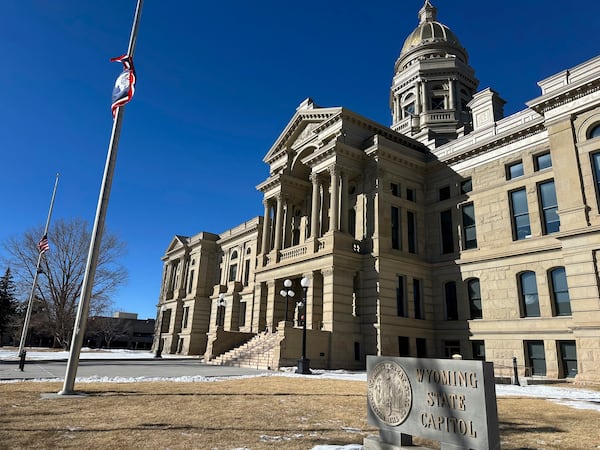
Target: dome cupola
{"x": 433, "y": 83}
{"x": 431, "y": 34}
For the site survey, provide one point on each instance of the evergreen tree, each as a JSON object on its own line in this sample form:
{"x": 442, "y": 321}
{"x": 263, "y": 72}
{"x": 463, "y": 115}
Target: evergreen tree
{"x": 8, "y": 303}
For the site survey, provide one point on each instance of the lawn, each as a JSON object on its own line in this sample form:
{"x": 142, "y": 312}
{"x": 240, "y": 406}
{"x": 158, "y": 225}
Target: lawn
{"x": 253, "y": 413}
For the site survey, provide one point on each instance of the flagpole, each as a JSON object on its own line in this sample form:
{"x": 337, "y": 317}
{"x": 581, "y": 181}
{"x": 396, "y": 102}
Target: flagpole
{"x": 94, "y": 250}
{"x": 33, "y": 286}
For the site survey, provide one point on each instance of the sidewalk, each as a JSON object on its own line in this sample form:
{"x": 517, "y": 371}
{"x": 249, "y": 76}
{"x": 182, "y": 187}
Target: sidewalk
{"x": 128, "y": 369}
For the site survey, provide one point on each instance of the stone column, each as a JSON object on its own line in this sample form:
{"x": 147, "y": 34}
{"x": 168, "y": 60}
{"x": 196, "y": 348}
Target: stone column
{"x": 279, "y": 223}
{"x": 309, "y": 312}
{"x": 271, "y": 305}
{"x": 424, "y": 97}
{"x": 418, "y": 99}
{"x": 451, "y": 95}
{"x": 334, "y": 204}
{"x": 325, "y": 202}
{"x": 265, "y": 231}
{"x": 344, "y": 203}
{"x": 314, "y": 220}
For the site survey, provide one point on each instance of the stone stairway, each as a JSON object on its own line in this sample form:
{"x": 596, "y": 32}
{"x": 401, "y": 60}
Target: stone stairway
{"x": 257, "y": 353}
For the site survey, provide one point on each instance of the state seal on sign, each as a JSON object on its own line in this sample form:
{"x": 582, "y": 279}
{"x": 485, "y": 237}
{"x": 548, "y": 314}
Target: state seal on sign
{"x": 389, "y": 393}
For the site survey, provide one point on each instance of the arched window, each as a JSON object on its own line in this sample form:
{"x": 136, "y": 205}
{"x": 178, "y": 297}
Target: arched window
{"x": 559, "y": 291}
{"x": 594, "y": 132}
{"x": 528, "y": 295}
{"x": 233, "y": 266}
{"x": 474, "y": 294}
{"x": 408, "y": 106}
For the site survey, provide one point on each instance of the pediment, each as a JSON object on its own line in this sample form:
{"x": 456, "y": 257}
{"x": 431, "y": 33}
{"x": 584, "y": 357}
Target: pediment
{"x": 177, "y": 243}
{"x": 301, "y": 128}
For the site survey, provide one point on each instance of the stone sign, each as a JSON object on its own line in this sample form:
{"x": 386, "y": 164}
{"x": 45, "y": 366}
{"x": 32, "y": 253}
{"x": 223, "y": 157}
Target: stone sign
{"x": 447, "y": 400}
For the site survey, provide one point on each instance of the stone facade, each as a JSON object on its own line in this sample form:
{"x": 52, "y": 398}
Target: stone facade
{"x": 455, "y": 230}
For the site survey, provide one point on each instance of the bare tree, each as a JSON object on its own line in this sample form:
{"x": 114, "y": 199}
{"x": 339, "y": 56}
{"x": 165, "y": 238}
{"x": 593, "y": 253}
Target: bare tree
{"x": 62, "y": 270}
{"x": 107, "y": 329}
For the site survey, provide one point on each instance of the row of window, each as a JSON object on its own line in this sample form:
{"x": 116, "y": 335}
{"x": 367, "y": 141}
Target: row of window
{"x": 540, "y": 162}
{"x": 396, "y": 190}
{"x": 411, "y": 230}
{"x": 528, "y": 296}
{"x": 529, "y": 303}
{"x": 535, "y": 354}
{"x": 521, "y": 224}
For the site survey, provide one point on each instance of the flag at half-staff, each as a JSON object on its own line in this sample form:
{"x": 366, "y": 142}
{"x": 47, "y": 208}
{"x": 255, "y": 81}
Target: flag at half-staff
{"x": 43, "y": 245}
{"x": 125, "y": 83}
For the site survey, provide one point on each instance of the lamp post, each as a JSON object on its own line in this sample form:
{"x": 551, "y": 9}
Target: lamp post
{"x": 287, "y": 293}
{"x": 158, "y": 353}
{"x": 303, "y": 363}
{"x": 221, "y": 303}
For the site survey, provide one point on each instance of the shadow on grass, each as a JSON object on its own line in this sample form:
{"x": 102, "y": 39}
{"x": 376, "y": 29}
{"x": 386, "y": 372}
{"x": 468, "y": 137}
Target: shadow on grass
{"x": 215, "y": 394}
{"x": 190, "y": 428}
{"x": 507, "y": 428}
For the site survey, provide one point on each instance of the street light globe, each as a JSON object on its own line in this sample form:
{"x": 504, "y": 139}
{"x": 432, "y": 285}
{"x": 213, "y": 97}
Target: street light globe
{"x": 282, "y": 293}
{"x": 304, "y": 282}
{"x": 291, "y": 293}
{"x": 287, "y": 283}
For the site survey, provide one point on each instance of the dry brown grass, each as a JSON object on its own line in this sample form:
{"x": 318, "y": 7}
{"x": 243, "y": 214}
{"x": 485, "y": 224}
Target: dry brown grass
{"x": 255, "y": 413}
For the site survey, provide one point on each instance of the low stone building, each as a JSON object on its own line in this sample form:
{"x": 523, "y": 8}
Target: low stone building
{"x": 454, "y": 230}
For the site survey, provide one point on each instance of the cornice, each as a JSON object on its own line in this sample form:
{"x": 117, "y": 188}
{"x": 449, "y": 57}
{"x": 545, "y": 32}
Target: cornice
{"x": 495, "y": 142}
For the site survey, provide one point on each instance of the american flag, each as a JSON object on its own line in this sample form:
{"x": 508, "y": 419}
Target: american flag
{"x": 125, "y": 83}
{"x": 43, "y": 244}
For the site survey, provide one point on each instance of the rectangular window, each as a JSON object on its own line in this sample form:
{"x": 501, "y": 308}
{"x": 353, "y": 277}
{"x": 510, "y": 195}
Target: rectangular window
{"x": 514, "y": 170}
{"x": 596, "y": 168}
{"x": 451, "y": 348}
{"x": 232, "y": 272}
{"x": 549, "y": 205}
{"x": 186, "y": 314}
{"x": 469, "y": 229}
{"x": 395, "y": 187}
{"x": 543, "y": 161}
{"x": 356, "y": 351}
{"x": 444, "y": 193}
{"x": 466, "y": 186}
{"x": 411, "y": 195}
{"x": 165, "y": 321}
{"x": 478, "y": 350}
{"x": 421, "y": 348}
{"x": 396, "y": 238}
{"x": 451, "y": 301}
{"x": 568, "y": 358}
{"x": 411, "y": 225}
{"x": 403, "y": 346}
{"x": 536, "y": 357}
{"x": 520, "y": 215}
{"x": 447, "y": 232}
{"x": 242, "y": 317}
{"x": 474, "y": 294}
{"x": 246, "y": 272}
{"x": 401, "y": 306}
{"x": 191, "y": 281}
{"x": 418, "y": 299}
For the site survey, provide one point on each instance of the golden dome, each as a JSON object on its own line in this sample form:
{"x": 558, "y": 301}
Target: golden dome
{"x": 429, "y": 30}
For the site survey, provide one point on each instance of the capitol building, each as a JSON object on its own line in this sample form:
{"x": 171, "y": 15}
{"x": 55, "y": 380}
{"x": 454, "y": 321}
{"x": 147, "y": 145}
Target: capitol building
{"x": 454, "y": 230}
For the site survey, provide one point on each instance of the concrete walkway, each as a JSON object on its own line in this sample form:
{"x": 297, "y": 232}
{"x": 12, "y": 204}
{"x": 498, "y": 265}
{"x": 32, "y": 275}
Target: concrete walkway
{"x": 165, "y": 367}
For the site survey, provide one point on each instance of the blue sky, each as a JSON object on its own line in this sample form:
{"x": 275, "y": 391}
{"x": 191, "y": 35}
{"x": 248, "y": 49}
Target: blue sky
{"x": 217, "y": 83}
